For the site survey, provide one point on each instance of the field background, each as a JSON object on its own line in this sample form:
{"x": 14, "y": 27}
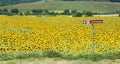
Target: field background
{"x": 27, "y": 39}
{"x": 72, "y": 5}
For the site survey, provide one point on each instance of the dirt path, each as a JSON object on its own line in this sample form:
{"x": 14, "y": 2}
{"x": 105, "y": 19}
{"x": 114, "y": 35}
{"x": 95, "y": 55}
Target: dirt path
{"x": 58, "y": 61}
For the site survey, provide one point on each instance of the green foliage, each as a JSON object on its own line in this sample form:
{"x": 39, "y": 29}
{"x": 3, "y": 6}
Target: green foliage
{"x": 112, "y": 55}
{"x": 77, "y": 14}
{"x": 51, "y": 54}
{"x": 87, "y": 13}
{"x": 37, "y": 11}
{"x": 45, "y": 11}
{"x": 5, "y": 10}
{"x": 15, "y": 11}
{"x": 115, "y": 12}
{"x": 0, "y": 11}
{"x": 40, "y": 12}
{"x": 73, "y": 11}
{"x": 29, "y": 54}
{"x": 27, "y": 13}
{"x": 20, "y": 55}
{"x": 52, "y": 13}
{"x": 66, "y": 12}
{"x": 93, "y": 57}
{"x": 21, "y": 14}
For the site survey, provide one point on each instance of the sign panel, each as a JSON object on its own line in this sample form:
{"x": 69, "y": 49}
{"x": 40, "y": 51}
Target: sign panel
{"x": 96, "y": 21}
{"x": 86, "y": 22}
{"x": 92, "y": 21}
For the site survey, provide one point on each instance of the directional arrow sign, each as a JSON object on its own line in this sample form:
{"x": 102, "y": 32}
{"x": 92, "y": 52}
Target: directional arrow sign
{"x": 92, "y": 21}
{"x": 96, "y": 21}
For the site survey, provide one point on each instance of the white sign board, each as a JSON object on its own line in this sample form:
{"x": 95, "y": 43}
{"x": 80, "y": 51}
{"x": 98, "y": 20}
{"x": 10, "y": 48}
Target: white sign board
{"x": 86, "y": 22}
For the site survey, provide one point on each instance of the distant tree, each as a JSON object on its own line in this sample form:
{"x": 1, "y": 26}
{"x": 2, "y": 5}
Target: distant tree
{"x": 27, "y": 13}
{"x": 15, "y": 11}
{"x": 21, "y": 14}
{"x": 34, "y": 11}
{"x": 87, "y": 13}
{"x": 94, "y": 13}
{"x": 66, "y": 12}
{"x": 0, "y": 11}
{"x": 117, "y": 12}
{"x": 52, "y": 13}
{"x": 45, "y": 11}
{"x": 5, "y": 11}
{"x": 77, "y": 14}
{"x": 84, "y": 12}
{"x": 37, "y": 11}
{"x": 73, "y": 11}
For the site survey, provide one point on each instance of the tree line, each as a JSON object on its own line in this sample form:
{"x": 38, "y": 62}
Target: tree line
{"x": 16, "y": 11}
{"x": 74, "y": 13}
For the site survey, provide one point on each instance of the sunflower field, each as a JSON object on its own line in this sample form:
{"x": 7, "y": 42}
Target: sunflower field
{"x": 66, "y": 35}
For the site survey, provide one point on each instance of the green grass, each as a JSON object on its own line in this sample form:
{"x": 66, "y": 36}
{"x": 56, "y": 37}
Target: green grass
{"x": 53, "y": 54}
{"x": 61, "y": 5}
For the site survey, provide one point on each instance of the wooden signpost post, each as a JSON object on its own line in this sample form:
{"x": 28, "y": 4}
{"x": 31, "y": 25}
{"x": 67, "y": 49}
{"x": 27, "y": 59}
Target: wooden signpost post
{"x": 92, "y": 22}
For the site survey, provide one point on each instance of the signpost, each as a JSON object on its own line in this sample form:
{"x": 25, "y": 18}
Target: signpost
{"x": 92, "y": 22}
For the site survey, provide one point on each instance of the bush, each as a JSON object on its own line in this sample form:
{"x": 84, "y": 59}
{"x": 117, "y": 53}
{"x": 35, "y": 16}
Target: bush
{"x": 5, "y": 10}
{"x": 52, "y": 13}
{"x": 0, "y": 11}
{"x": 66, "y": 12}
{"x": 15, "y": 11}
{"x": 10, "y": 14}
{"x": 87, "y": 13}
{"x": 73, "y": 11}
{"x": 51, "y": 54}
{"x": 78, "y": 14}
{"x": 21, "y": 14}
{"x": 7, "y": 13}
{"x": 27, "y": 13}
{"x": 37, "y": 11}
